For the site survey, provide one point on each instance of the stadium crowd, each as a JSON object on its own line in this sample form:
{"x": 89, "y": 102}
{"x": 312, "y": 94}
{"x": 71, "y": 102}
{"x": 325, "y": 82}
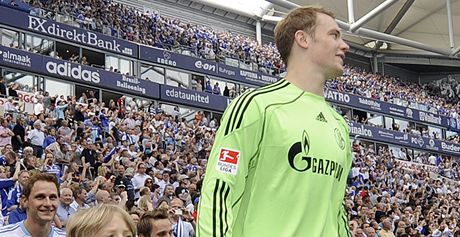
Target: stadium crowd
{"x": 388, "y": 197}
{"x": 116, "y": 153}
{"x": 141, "y": 160}
{"x": 123, "y": 154}
{"x": 394, "y": 90}
{"x": 159, "y": 31}
{"x": 150, "y": 28}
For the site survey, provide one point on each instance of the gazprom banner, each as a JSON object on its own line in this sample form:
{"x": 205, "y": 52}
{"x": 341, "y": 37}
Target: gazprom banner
{"x": 77, "y": 73}
{"x": 77, "y": 35}
{"x": 193, "y": 98}
{"x": 382, "y": 107}
{"x": 204, "y": 66}
{"x": 404, "y": 139}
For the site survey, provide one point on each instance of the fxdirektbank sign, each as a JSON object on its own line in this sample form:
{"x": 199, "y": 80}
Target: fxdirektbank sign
{"x": 77, "y": 35}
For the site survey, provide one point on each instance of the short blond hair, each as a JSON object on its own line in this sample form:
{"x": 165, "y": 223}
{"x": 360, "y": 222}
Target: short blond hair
{"x": 89, "y": 221}
{"x": 102, "y": 171}
{"x": 302, "y": 18}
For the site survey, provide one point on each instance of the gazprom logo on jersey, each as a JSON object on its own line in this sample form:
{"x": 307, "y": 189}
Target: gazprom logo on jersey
{"x": 431, "y": 118}
{"x": 301, "y": 161}
{"x": 80, "y": 36}
{"x": 337, "y": 96}
{"x": 16, "y": 58}
{"x": 73, "y": 71}
{"x": 360, "y": 130}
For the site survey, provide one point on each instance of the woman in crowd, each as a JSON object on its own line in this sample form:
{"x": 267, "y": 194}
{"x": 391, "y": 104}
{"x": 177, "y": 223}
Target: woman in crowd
{"x": 145, "y": 202}
{"x": 154, "y": 190}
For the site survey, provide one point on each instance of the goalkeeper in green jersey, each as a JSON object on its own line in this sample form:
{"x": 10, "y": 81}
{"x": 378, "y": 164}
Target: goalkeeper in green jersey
{"x": 281, "y": 157}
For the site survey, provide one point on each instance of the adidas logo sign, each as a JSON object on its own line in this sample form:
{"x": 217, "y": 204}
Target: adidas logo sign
{"x": 321, "y": 117}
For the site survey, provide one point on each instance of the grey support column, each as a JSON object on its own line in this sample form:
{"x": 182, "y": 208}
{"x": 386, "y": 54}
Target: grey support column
{"x": 450, "y": 23}
{"x": 258, "y": 32}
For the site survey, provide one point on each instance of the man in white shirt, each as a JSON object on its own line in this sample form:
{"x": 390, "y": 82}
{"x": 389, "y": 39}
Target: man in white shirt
{"x": 36, "y": 137}
{"x": 402, "y": 154}
{"x": 80, "y": 199}
{"x": 38, "y": 107}
{"x": 139, "y": 178}
{"x": 163, "y": 181}
{"x": 355, "y": 171}
{"x": 9, "y": 105}
{"x": 130, "y": 122}
{"x": 65, "y": 210}
{"x": 182, "y": 219}
{"x": 432, "y": 159}
{"x": 41, "y": 198}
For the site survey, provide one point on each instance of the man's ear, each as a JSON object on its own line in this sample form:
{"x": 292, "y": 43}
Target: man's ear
{"x": 25, "y": 200}
{"x": 302, "y": 39}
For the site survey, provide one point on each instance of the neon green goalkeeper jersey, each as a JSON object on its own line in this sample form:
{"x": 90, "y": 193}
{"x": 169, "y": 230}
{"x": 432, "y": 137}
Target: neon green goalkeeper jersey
{"x": 278, "y": 167}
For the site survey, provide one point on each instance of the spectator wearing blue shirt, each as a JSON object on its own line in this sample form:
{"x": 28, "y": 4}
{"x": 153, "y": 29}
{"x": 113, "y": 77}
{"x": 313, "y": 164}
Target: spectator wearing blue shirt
{"x": 126, "y": 139}
{"x": 19, "y": 214}
{"x": 6, "y": 184}
{"x": 193, "y": 166}
{"x": 216, "y": 89}
{"x": 15, "y": 193}
{"x": 208, "y": 87}
{"x": 60, "y": 108}
{"x": 104, "y": 121}
{"x": 2, "y": 160}
{"x": 96, "y": 131}
{"x": 51, "y": 138}
{"x": 50, "y": 167}
{"x": 42, "y": 190}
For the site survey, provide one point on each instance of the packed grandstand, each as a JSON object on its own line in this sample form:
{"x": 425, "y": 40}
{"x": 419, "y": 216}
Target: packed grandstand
{"x": 125, "y": 152}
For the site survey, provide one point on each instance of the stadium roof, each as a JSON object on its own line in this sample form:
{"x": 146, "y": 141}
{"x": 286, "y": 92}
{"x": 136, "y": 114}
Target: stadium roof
{"x": 402, "y": 26}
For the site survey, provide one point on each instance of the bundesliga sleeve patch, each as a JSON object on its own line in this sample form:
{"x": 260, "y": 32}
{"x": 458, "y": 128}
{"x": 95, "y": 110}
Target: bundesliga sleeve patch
{"x": 228, "y": 161}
